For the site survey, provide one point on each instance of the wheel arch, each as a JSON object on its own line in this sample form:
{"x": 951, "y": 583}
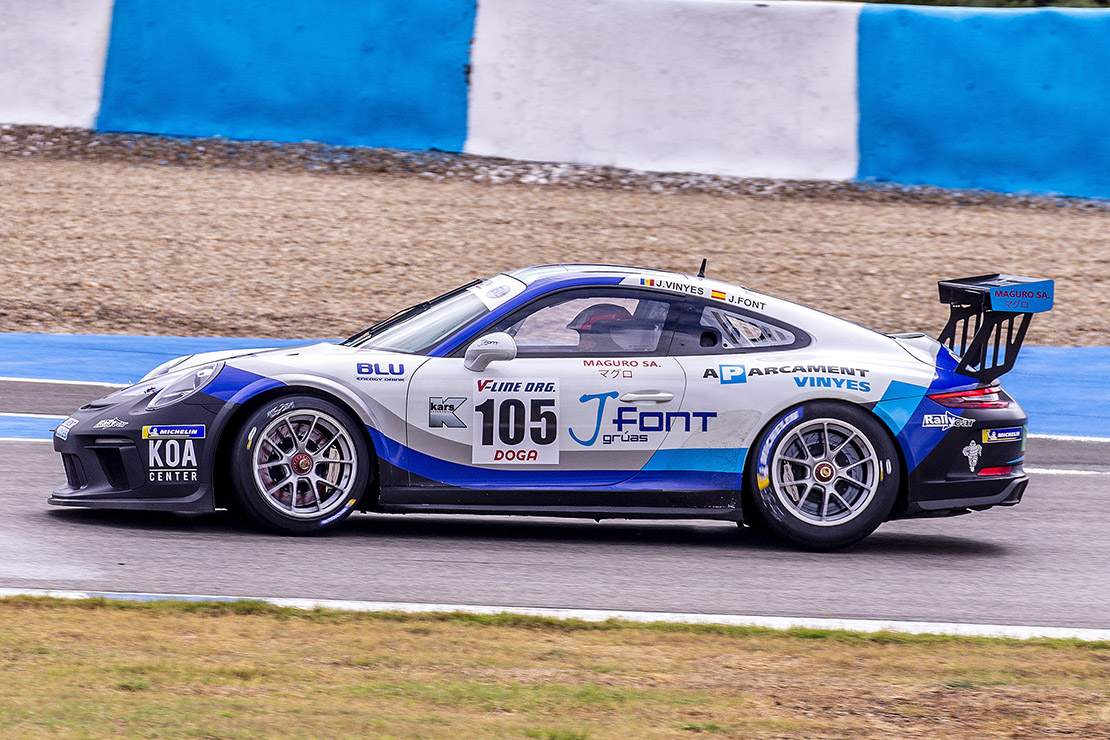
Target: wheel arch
{"x": 222, "y": 473}
{"x": 746, "y": 492}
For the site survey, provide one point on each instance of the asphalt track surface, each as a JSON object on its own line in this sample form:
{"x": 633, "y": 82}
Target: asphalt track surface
{"x": 1041, "y": 563}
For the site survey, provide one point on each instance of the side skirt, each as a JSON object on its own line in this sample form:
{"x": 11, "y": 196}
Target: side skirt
{"x": 724, "y": 505}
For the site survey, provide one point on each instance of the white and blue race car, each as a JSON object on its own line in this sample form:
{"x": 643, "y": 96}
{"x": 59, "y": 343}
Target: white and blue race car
{"x": 587, "y": 391}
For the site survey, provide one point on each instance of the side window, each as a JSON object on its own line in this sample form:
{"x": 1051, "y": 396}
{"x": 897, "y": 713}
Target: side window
{"x": 705, "y": 328}
{"x": 590, "y": 322}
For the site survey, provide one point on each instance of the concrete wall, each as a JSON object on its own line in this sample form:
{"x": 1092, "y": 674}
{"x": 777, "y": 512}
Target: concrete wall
{"x": 718, "y": 86}
{"x": 52, "y": 60}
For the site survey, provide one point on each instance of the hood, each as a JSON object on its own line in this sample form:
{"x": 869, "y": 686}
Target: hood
{"x": 186, "y": 362}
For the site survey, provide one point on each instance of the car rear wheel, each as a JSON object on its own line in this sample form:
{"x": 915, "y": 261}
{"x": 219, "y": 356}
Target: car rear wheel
{"x": 300, "y": 465}
{"x": 825, "y": 475}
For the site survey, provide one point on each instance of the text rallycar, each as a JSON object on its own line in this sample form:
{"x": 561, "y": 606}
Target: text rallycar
{"x": 171, "y": 452}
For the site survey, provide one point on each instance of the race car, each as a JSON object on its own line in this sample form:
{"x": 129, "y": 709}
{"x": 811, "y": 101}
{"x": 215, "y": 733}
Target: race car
{"x": 586, "y": 391}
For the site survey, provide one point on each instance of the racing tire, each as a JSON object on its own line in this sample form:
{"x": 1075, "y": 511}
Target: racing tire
{"x": 300, "y": 465}
{"x": 824, "y": 476}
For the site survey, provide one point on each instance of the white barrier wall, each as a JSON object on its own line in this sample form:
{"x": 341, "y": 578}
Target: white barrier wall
{"x": 718, "y": 86}
{"x": 52, "y": 60}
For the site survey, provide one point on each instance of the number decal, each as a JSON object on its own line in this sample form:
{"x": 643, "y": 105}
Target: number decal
{"x": 549, "y": 429}
{"x": 516, "y": 421}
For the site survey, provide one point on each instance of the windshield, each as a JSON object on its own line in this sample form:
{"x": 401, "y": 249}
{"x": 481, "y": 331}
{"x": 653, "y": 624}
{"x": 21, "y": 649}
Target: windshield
{"x": 420, "y": 328}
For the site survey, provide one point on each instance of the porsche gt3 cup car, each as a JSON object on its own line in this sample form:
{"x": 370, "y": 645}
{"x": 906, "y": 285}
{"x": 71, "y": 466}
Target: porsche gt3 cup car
{"x": 589, "y": 391}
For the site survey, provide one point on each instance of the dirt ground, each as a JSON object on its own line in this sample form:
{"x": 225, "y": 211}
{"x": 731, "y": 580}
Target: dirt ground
{"x": 136, "y": 247}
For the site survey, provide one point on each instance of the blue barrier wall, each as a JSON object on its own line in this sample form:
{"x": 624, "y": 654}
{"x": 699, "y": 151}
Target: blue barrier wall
{"x": 1007, "y": 100}
{"x": 386, "y": 73}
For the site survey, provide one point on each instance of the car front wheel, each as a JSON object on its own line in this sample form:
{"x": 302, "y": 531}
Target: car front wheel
{"x": 825, "y": 475}
{"x": 300, "y": 465}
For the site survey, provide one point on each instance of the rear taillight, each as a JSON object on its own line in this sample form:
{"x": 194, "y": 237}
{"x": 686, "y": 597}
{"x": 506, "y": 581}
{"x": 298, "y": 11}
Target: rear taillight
{"x": 980, "y": 398}
{"x": 1001, "y": 470}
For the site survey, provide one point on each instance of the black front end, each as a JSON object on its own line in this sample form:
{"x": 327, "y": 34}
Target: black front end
{"x": 118, "y": 454}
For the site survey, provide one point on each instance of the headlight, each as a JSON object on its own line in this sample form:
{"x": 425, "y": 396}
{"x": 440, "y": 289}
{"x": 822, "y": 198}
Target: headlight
{"x": 185, "y": 386}
{"x": 165, "y": 367}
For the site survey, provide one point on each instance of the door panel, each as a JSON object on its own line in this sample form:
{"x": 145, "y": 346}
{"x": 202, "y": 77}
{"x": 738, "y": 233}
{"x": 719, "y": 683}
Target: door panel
{"x": 542, "y": 423}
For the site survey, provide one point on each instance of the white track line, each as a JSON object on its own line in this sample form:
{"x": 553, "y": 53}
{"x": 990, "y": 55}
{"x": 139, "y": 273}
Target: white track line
{"x": 1017, "y": 632}
{"x": 61, "y": 382}
{"x": 24, "y": 439}
{"x": 1065, "y": 471}
{"x": 31, "y": 416}
{"x": 1070, "y": 438}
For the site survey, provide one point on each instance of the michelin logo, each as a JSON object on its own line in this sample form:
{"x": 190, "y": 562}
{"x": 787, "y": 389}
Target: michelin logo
{"x": 187, "y": 431}
{"x": 1010, "y": 434}
{"x": 947, "y": 420}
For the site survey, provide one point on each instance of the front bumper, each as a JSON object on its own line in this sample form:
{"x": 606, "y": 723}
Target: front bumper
{"x": 118, "y": 455}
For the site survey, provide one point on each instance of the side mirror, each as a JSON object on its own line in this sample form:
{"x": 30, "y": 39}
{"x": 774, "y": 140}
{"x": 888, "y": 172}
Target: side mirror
{"x": 489, "y": 348}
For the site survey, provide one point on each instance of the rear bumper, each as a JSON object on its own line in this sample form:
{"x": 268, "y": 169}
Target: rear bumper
{"x": 946, "y": 498}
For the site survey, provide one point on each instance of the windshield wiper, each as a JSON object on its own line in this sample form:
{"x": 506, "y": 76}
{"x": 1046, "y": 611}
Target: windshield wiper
{"x": 405, "y": 313}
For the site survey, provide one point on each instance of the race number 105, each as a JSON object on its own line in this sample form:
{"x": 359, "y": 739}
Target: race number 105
{"x": 517, "y": 428}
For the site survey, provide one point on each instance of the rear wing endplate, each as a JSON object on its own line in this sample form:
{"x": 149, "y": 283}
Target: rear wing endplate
{"x": 989, "y": 317}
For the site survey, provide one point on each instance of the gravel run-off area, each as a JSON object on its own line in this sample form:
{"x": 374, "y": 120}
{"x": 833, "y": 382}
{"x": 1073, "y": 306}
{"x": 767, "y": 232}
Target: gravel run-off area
{"x": 128, "y": 234}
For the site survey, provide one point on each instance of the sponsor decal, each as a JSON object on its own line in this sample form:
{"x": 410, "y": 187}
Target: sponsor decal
{"x": 662, "y": 421}
{"x": 602, "y": 399}
{"x": 947, "y": 420}
{"x": 818, "y": 381}
{"x": 812, "y": 376}
{"x": 442, "y": 412}
{"x": 113, "y": 423}
{"x": 620, "y": 363}
{"x": 186, "y": 431}
{"x": 807, "y": 370}
{"x": 62, "y": 432}
{"x": 1030, "y": 296}
{"x": 516, "y": 421}
{"x": 762, "y": 465}
{"x": 341, "y": 512}
{"x": 972, "y": 452}
{"x": 497, "y": 290}
{"x": 1009, "y": 434}
{"x": 281, "y": 408}
{"x": 640, "y": 423}
{"x": 618, "y": 368}
{"x": 728, "y": 374}
{"x": 516, "y": 386}
{"x": 172, "y": 460}
{"x": 379, "y": 371}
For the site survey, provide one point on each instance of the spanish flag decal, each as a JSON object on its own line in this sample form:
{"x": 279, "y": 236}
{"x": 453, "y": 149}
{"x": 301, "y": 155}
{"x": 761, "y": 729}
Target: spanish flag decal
{"x": 718, "y": 294}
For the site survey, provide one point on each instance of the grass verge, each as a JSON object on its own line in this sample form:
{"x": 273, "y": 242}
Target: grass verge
{"x": 105, "y": 668}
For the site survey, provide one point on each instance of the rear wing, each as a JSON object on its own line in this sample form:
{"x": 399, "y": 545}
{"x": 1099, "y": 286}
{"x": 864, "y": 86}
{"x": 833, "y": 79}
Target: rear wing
{"x": 990, "y": 314}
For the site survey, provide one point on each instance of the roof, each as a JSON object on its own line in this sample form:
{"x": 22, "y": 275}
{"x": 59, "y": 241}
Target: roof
{"x": 530, "y": 275}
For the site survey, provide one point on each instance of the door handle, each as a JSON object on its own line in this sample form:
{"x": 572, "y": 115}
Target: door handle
{"x": 647, "y": 397}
